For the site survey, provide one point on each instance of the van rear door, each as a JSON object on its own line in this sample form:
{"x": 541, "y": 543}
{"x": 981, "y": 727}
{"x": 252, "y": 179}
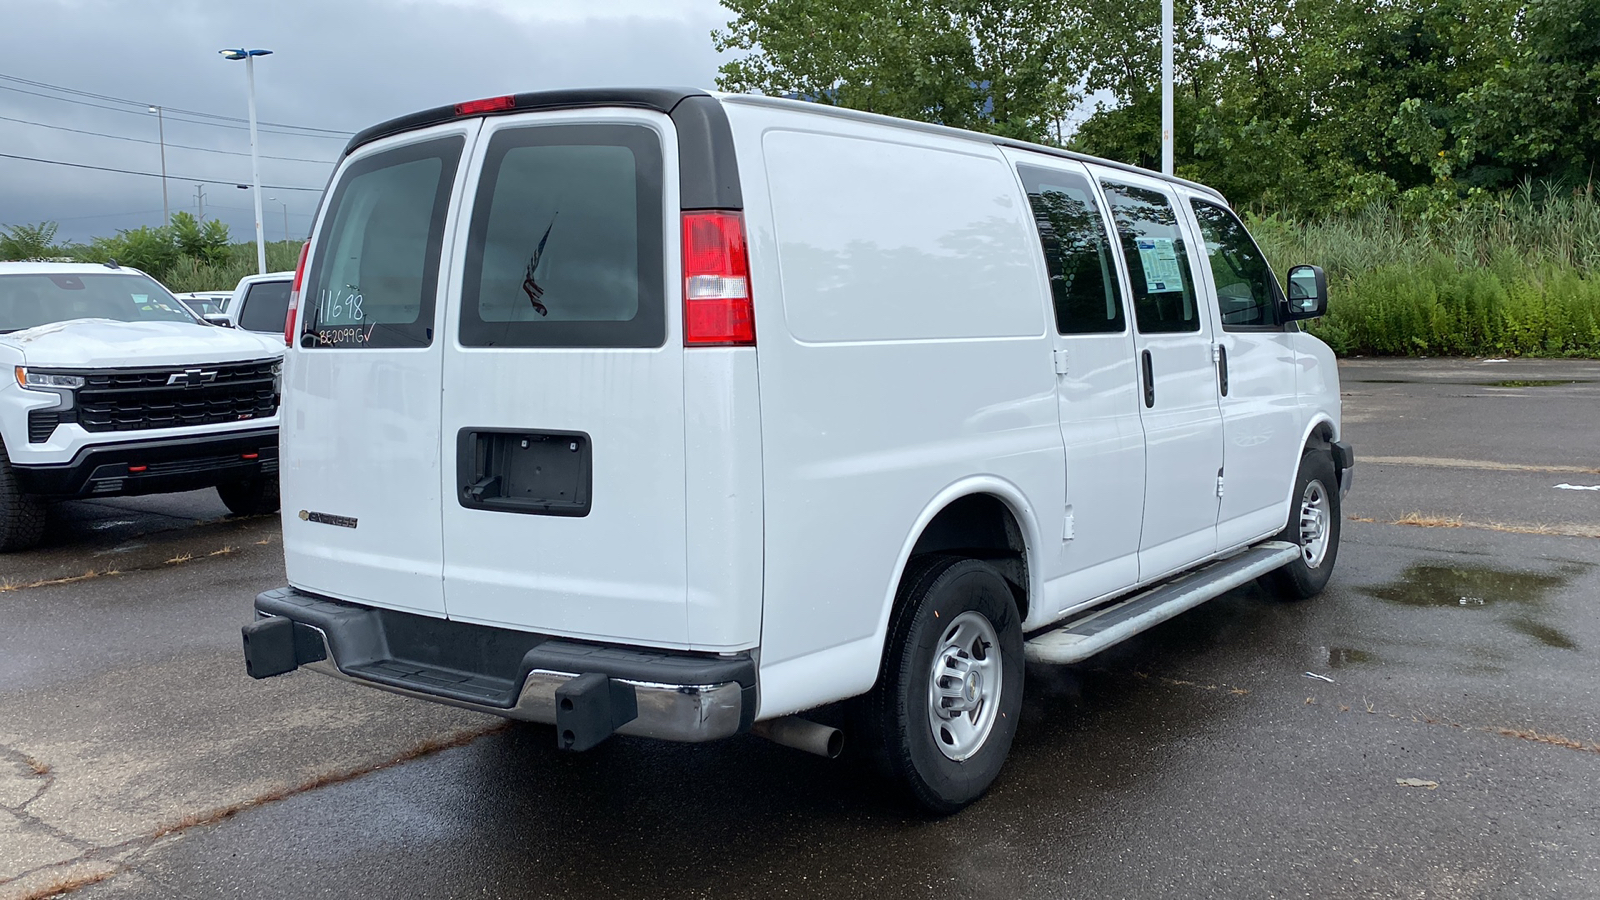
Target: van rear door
{"x": 360, "y": 419}
{"x": 563, "y": 423}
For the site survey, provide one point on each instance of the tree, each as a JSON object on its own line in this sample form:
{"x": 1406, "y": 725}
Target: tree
{"x": 1536, "y": 112}
{"x": 19, "y": 242}
{"x": 989, "y": 65}
{"x": 1304, "y": 105}
{"x": 207, "y": 243}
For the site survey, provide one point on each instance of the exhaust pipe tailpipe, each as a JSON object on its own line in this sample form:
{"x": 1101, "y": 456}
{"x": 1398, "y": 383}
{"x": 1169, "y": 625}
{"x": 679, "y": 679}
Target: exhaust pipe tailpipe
{"x": 801, "y": 734}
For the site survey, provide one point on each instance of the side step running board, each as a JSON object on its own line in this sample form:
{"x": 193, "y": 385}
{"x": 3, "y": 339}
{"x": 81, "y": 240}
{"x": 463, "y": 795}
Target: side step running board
{"x": 1082, "y": 638}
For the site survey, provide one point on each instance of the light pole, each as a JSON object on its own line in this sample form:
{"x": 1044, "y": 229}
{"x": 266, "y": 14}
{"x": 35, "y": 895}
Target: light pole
{"x": 161, "y": 129}
{"x": 1166, "y": 87}
{"x": 249, "y": 57}
{"x": 285, "y": 205}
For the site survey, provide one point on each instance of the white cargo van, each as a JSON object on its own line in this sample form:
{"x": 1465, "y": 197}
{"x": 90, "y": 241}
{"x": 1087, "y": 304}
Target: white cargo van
{"x": 675, "y": 414}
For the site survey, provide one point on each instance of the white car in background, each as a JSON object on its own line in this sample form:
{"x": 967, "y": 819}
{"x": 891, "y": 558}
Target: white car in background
{"x": 207, "y": 305}
{"x": 260, "y": 303}
{"x": 115, "y": 387}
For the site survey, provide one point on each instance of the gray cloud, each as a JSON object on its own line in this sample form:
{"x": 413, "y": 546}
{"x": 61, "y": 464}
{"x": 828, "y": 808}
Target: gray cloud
{"x": 338, "y": 64}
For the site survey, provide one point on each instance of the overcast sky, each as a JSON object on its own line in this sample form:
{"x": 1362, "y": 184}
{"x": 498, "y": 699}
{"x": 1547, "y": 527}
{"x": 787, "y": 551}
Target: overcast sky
{"x": 336, "y": 64}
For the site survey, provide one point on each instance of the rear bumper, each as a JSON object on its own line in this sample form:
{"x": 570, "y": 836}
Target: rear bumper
{"x": 677, "y": 696}
{"x": 157, "y": 466}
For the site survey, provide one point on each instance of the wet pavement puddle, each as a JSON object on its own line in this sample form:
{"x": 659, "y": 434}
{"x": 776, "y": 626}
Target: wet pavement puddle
{"x": 1476, "y": 587}
{"x": 1340, "y": 657}
{"x": 1542, "y": 633}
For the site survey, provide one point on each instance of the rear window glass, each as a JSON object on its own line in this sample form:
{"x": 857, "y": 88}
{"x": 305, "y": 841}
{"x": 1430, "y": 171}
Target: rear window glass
{"x": 28, "y": 301}
{"x": 376, "y": 272}
{"x": 1077, "y": 253}
{"x": 566, "y": 246}
{"x": 266, "y": 305}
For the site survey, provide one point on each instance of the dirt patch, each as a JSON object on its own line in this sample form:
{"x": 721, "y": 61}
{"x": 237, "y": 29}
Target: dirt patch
{"x": 1430, "y": 520}
{"x": 1447, "y": 463}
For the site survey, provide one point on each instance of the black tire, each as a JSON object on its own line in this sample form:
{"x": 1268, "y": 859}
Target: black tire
{"x": 251, "y": 497}
{"x": 22, "y": 516}
{"x": 934, "y": 592}
{"x": 1302, "y": 579}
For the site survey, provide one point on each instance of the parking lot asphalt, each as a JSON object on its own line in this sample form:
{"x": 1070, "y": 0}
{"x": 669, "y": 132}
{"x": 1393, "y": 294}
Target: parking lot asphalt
{"x": 1428, "y": 727}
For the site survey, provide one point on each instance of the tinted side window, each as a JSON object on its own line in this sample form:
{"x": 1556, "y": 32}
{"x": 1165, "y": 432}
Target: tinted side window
{"x": 376, "y": 273}
{"x": 1247, "y": 292}
{"x": 566, "y": 246}
{"x": 1077, "y": 252}
{"x": 266, "y": 305}
{"x": 1152, "y": 244}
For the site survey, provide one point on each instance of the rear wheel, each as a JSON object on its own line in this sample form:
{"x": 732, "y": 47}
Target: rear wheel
{"x": 21, "y": 516}
{"x": 250, "y": 497}
{"x": 944, "y": 710}
{"x": 1313, "y": 527}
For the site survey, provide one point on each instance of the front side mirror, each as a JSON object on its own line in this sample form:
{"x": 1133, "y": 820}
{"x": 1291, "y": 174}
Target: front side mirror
{"x": 220, "y": 320}
{"x": 1308, "y": 293}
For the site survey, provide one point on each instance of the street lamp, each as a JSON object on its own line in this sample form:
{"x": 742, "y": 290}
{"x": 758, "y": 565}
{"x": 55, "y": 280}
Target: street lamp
{"x": 249, "y": 57}
{"x": 285, "y": 217}
{"x": 161, "y": 129}
{"x": 1166, "y": 87}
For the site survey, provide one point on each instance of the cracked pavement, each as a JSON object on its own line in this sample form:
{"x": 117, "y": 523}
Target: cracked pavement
{"x": 1198, "y": 760}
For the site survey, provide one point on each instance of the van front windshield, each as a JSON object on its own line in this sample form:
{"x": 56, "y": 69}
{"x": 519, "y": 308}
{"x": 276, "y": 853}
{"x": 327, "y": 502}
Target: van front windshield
{"x": 28, "y": 301}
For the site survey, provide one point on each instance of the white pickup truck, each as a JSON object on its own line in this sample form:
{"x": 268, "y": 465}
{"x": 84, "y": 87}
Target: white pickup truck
{"x": 115, "y": 387}
{"x": 676, "y": 414}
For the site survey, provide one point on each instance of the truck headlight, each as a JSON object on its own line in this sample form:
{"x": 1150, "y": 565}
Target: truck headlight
{"x": 277, "y": 377}
{"x": 39, "y": 381}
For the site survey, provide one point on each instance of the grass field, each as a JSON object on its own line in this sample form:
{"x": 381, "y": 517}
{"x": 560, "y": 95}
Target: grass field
{"x": 1512, "y": 276}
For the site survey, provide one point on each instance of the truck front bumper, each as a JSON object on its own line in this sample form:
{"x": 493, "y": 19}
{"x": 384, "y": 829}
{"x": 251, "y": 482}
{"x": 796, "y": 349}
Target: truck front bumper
{"x": 586, "y": 690}
{"x": 155, "y": 465}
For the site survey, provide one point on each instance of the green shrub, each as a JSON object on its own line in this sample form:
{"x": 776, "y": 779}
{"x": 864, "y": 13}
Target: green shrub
{"x": 150, "y": 250}
{"x": 1517, "y": 274}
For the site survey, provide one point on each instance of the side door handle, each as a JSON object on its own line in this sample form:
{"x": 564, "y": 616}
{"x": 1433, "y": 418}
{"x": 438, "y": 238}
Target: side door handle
{"x": 1222, "y": 368}
{"x": 1149, "y": 381}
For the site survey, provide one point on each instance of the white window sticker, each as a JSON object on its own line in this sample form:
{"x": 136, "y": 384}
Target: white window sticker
{"x": 1159, "y": 257}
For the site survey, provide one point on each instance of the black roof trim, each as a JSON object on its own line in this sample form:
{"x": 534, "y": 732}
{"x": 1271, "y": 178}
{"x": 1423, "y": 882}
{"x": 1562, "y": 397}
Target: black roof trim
{"x": 1063, "y": 153}
{"x": 662, "y": 100}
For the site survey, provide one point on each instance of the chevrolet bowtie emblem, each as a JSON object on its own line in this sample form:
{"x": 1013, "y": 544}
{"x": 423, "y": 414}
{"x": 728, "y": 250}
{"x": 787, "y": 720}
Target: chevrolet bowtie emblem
{"x": 191, "y": 378}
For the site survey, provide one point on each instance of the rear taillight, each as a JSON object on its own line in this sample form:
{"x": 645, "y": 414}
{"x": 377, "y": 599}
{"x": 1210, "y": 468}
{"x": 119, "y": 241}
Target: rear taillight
{"x": 294, "y": 295}
{"x": 716, "y": 281}
{"x": 486, "y": 105}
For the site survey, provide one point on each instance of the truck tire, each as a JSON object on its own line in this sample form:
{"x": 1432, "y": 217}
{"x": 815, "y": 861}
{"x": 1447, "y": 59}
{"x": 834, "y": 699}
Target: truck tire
{"x": 21, "y": 516}
{"x": 251, "y": 497}
{"x": 945, "y": 707}
{"x": 1314, "y": 519}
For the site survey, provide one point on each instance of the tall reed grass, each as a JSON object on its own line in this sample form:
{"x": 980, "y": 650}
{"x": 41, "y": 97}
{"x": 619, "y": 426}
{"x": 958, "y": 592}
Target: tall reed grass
{"x": 1517, "y": 275}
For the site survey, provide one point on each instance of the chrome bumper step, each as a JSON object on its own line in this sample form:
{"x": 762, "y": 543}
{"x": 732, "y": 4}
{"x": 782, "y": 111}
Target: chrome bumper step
{"x": 587, "y": 690}
{"x": 1082, "y": 638}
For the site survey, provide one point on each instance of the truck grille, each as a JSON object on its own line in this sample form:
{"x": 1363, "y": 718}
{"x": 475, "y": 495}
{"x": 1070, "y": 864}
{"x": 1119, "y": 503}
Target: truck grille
{"x": 139, "y": 399}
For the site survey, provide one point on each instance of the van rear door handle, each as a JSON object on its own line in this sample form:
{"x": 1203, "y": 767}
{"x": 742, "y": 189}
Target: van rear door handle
{"x": 1222, "y": 368}
{"x": 1149, "y": 381}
